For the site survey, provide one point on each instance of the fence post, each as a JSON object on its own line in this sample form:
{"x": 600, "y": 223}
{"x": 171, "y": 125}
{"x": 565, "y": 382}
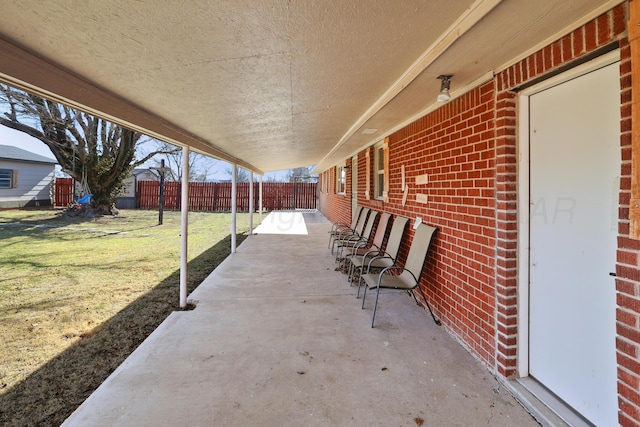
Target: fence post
{"x": 295, "y": 195}
{"x": 161, "y": 200}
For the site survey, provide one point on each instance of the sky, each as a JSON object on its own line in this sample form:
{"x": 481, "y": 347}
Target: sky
{"x": 216, "y": 168}
{"x": 19, "y": 139}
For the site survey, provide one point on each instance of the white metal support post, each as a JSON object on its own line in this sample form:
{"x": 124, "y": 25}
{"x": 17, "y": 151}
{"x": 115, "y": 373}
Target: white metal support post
{"x": 250, "y": 203}
{"x": 184, "y": 225}
{"x": 260, "y": 200}
{"x": 234, "y": 206}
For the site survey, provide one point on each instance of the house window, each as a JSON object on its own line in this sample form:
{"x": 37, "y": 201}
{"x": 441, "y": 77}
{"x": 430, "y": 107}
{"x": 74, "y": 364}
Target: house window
{"x": 341, "y": 180}
{"x": 6, "y": 178}
{"x": 379, "y": 171}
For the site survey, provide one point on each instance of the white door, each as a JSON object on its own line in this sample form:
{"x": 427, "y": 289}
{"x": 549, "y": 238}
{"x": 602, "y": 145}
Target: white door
{"x": 354, "y": 184}
{"x": 574, "y": 174}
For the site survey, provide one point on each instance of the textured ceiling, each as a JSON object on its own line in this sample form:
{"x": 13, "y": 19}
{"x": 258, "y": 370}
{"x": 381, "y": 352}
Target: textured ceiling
{"x": 269, "y": 84}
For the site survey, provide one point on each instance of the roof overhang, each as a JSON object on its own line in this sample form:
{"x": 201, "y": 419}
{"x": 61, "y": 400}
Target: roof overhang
{"x": 271, "y": 84}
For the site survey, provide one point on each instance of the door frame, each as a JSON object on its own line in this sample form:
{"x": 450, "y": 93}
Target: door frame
{"x": 522, "y": 363}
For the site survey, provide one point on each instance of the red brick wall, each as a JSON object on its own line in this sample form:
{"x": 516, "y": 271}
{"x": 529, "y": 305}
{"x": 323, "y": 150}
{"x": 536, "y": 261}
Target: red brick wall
{"x": 468, "y": 148}
{"x": 454, "y": 146}
{"x": 628, "y": 280}
{"x": 336, "y": 207}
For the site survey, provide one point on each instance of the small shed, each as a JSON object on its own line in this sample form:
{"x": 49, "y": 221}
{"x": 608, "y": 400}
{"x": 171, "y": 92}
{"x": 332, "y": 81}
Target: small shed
{"x": 25, "y": 178}
{"x": 127, "y": 197}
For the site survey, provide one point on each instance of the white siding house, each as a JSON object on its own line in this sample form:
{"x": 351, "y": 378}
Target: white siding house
{"x": 25, "y": 178}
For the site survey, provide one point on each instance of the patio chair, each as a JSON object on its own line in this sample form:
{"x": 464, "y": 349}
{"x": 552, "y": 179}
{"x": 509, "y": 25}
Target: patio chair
{"x": 364, "y": 247}
{"x": 339, "y": 225}
{"x": 345, "y": 232}
{"x": 377, "y": 259}
{"x": 373, "y": 245}
{"x": 404, "y": 278}
{"x": 352, "y": 240}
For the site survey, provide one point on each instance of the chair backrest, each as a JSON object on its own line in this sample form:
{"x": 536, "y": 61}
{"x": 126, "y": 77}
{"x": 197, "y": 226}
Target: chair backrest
{"x": 361, "y": 221}
{"x": 419, "y": 249}
{"x": 370, "y": 223}
{"x": 381, "y": 231}
{"x": 395, "y": 236}
{"x": 356, "y": 216}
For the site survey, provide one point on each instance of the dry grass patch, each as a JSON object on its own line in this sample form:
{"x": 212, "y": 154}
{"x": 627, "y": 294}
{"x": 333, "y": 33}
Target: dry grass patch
{"x": 77, "y": 296}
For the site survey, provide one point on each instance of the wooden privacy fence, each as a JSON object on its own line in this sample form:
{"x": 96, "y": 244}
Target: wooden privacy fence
{"x": 209, "y": 196}
{"x": 62, "y": 192}
{"x": 216, "y": 196}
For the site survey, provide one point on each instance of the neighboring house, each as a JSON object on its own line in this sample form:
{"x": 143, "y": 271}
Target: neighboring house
{"x": 25, "y": 178}
{"x": 127, "y": 197}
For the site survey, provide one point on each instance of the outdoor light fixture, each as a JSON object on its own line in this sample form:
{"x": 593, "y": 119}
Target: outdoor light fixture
{"x": 445, "y": 85}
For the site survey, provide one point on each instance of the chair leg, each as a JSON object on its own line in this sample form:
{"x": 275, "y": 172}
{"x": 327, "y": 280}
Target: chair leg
{"x": 375, "y": 306}
{"x": 333, "y": 246}
{"x": 359, "y": 284}
{"x": 410, "y": 292}
{"x": 330, "y": 240}
{"x": 437, "y": 321}
{"x": 351, "y": 270}
{"x": 364, "y": 294}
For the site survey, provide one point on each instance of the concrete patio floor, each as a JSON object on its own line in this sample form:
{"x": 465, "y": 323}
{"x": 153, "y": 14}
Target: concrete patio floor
{"x": 278, "y": 339}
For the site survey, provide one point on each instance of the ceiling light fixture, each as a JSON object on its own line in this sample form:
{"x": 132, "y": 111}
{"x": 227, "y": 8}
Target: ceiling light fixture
{"x": 445, "y": 85}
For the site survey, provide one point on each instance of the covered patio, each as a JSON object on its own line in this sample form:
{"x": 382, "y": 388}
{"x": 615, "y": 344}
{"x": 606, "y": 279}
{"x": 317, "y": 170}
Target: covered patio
{"x": 278, "y": 338}
{"x": 420, "y": 109}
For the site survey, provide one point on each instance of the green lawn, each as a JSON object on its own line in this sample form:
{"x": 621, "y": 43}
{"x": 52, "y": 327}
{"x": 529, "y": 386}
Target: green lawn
{"x": 78, "y": 295}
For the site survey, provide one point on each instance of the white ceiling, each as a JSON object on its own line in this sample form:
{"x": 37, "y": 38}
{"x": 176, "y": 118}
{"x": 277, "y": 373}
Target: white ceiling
{"x": 270, "y": 84}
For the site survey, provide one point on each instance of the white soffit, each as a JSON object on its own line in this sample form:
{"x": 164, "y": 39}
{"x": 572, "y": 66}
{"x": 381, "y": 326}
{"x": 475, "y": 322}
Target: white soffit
{"x": 472, "y": 60}
{"x": 268, "y": 84}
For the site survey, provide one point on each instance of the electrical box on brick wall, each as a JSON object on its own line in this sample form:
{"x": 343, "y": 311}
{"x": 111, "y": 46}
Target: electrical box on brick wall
{"x": 422, "y": 198}
{"x": 422, "y": 179}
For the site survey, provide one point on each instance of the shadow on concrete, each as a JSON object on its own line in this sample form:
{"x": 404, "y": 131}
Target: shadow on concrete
{"x": 49, "y": 395}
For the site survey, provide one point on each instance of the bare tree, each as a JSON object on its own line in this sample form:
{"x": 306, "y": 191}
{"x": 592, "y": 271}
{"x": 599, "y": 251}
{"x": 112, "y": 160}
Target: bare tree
{"x": 198, "y": 171}
{"x": 242, "y": 175}
{"x": 302, "y": 174}
{"x": 94, "y": 152}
